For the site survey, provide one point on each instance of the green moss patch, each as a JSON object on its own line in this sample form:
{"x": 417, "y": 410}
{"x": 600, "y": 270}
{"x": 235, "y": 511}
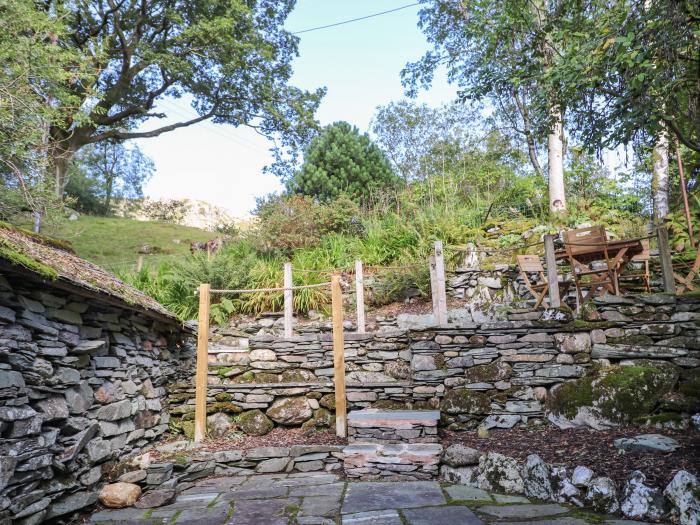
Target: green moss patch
{"x": 620, "y": 393}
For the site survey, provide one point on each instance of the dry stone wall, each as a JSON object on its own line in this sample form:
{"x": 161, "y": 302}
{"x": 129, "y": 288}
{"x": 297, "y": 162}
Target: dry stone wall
{"x": 82, "y": 386}
{"x": 492, "y": 374}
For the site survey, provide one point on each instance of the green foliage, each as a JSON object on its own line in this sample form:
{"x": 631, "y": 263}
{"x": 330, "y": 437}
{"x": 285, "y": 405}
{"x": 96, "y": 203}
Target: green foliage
{"x": 289, "y": 222}
{"x": 339, "y": 160}
{"x": 106, "y": 171}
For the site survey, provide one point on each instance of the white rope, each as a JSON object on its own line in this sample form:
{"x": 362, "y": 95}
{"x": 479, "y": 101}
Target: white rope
{"x": 282, "y": 289}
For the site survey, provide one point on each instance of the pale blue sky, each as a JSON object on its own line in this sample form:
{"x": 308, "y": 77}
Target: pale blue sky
{"x": 359, "y": 63}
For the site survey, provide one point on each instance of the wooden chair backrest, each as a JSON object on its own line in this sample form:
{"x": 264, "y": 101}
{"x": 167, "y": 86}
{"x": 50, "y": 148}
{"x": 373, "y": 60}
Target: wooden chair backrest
{"x": 584, "y": 240}
{"x": 530, "y": 263}
{"x": 645, "y": 255}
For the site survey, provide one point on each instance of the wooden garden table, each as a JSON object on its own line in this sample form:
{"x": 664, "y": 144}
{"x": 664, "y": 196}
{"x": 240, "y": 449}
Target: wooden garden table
{"x": 620, "y": 253}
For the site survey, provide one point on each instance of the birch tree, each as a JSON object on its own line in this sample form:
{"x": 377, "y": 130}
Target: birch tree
{"x": 499, "y": 51}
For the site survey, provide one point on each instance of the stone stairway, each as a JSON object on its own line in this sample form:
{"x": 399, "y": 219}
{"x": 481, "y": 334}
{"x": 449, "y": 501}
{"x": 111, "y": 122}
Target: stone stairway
{"x": 392, "y": 445}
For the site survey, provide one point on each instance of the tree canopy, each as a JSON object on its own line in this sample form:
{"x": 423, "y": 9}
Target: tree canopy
{"x": 340, "y": 160}
{"x": 231, "y": 58}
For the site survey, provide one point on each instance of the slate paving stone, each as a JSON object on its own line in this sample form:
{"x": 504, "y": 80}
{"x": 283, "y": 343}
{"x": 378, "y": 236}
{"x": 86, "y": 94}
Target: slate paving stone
{"x": 464, "y": 493}
{"x": 377, "y": 517}
{"x": 315, "y": 520}
{"x": 448, "y": 515}
{"x": 366, "y": 496}
{"x": 320, "y": 506}
{"x": 204, "y": 516}
{"x": 185, "y": 501}
{"x": 523, "y": 511}
{"x": 300, "y": 481}
{"x": 510, "y": 498}
{"x": 263, "y": 512}
{"x": 330, "y": 489}
{"x": 123, "y": 515}
{"x": 555, "y": 521}
{"x": 270, "y": 492}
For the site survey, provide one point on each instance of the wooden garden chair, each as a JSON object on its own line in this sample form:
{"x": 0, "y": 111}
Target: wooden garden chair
{"x": 643, "y": 275}
{"x": 686, "y": 282}
{"x": 529, "y": 264}
{"x": 584, "y": 246}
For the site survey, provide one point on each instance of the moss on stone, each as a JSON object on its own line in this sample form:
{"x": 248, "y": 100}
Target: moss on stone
{"x": 488, "y": 373}
{"x": 223, "y": 370}
{"x": 246, "y": 377}
{"x": 223, "y": 406}
{"x": 465, "y": 401}
{"x": 298, "y": 376}
{"x": 188, "y": 429}
{"x": 689, "y": 383}
{"x": 440, "y": 362}
{"x": 266, "y": 377}
{"x": 328, "y": 401}
{"x": 255, "y": 423}
{"x": 619, "y": 393}
{"x": 223, "y": 397}
{"x": 19, "y": 259}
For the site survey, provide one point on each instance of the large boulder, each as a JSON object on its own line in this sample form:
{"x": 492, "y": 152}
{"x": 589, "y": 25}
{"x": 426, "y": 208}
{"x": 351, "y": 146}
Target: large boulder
{"x": 641, "y": 502}
{"x": 255, "y": 423}
{"x": 684, "y": 493}
{"x": 500, "y": 473}
{"x": 218, "y": 425}
{"x": 459, "y": 455}
{"x": 119, "y": 495}
{"x": 602, "y": 495}
{"x": 536, "y": 478}
{"x": 290, "y": 411}
{"x": 611, "y": 396}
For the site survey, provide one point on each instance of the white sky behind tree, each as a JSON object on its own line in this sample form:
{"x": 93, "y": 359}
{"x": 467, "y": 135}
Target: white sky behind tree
{"x": 359, "y": 63}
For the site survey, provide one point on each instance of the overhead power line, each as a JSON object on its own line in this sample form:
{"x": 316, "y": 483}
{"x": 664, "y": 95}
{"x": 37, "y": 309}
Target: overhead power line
{"x": 355, "y": 19}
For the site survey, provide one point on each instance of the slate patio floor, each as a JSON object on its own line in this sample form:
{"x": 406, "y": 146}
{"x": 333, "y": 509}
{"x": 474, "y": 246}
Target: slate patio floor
{"x": 325, "y": 499}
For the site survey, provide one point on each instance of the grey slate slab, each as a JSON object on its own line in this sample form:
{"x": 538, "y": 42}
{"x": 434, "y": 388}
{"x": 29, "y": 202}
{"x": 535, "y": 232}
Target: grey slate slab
{"x": 464, "y": 493}
{"x": 366, "y": 496}
{"x": 523, "y": 511}
{"x": 447, "y": 515}
{"x": 377, "y": 517}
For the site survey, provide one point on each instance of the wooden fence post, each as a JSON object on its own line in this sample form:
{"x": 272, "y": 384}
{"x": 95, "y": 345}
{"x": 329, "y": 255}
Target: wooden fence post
{"x": 440, "y": 284}
{"x": 433, "y": 286}
{"x": 665, "y": 256}
{"x": 139, "y": 263}
{"x": 552, "y": 277}
{"x": 288, "y": 300}
{"x": 200, "y": 407}
{"x": 341, "y": 428}
{"x": 360, "y": 297}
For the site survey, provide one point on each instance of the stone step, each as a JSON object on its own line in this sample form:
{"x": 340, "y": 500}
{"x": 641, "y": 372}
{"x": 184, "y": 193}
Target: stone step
{"x": 393, "y": 426}
{"x": 400, "y": 461}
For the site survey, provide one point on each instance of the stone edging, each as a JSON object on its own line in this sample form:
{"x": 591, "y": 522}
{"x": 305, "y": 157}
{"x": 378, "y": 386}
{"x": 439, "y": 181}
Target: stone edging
{"x": 679, "y": 501}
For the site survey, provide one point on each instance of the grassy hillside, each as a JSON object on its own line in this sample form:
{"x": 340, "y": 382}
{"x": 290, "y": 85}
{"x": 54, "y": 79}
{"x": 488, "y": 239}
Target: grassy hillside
{"x": 114, "y": 243}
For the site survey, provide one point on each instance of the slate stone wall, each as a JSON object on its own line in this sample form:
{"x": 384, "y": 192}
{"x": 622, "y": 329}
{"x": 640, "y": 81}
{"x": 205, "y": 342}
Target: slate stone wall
{"x": 494, "y": 374}
{"x": 82, "y": 386}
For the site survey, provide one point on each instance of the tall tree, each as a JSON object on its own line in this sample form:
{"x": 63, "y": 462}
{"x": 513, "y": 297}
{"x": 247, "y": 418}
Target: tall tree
{"x": 341, "y": 161}
{"x": 418, "y": 140}
{"x": 109, "y": 170}
{"x": 630, "y": 74}
{"x": 231, "y": 57}
{"x": 499, "y": 51}
{"x": 35, "y": 71}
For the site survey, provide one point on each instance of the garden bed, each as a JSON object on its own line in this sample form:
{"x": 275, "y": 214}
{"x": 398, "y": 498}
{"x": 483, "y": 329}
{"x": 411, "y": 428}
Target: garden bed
{"x": 278, "y": 437}
{"x": 592, "y": 449}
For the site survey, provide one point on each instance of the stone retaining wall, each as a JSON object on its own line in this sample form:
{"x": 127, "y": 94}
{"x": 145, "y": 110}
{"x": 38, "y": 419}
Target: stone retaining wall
{"x": 82, "y": 386}
{"x": 493, "y": 374}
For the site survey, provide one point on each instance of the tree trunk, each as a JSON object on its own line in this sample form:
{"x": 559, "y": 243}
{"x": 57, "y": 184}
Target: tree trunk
{"x": 555, "y": 168}
{"x": 58, "y": 168}
{"x": 659, "y": 180}
{"x": 108, "y": 192}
